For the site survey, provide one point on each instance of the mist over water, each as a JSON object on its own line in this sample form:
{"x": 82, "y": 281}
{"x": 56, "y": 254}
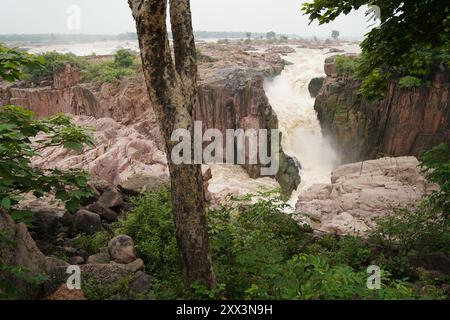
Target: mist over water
{"x": 302, "y": 135}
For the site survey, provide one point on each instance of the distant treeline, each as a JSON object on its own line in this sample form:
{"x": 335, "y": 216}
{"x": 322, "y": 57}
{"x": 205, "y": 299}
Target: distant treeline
{"x": 31, "y": 39}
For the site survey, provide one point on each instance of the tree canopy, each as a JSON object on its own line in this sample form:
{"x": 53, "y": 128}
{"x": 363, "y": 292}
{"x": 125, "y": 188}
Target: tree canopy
{"x": 412, "y": 40}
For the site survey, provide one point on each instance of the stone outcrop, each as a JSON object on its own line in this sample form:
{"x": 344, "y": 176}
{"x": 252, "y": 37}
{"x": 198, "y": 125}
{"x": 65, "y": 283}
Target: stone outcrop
{"x": 406, "y": 122}
{"x": 315, "y": 85}
{"x": 128, "y": 141}
{"x": 23, "y": 252}
{"x": 360, "y": 192}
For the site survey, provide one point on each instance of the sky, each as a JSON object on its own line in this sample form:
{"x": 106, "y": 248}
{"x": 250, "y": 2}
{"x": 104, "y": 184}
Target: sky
{"x": 113, "y": 17}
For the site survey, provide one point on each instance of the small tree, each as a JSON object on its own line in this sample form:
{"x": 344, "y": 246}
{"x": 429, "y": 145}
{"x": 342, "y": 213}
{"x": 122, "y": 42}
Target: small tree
{"x": 335, "y": 34}
{"x": 249, "y": 36}
{"x": 124, "y": 58}
{"x": 271, "y": 35}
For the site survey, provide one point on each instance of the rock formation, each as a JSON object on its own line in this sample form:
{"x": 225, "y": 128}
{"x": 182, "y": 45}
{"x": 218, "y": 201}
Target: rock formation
{"x": 231, "y": 95}
{"x": 360, "y": 192}
{"x": 406, "y": 122}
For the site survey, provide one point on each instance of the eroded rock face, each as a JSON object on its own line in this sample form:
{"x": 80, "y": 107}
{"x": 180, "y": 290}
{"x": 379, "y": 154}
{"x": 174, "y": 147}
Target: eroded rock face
{"x": 120, "y": 153}
{"x": 129, "y": 143}
{"x": 25, "y": 254}
{"x": 406, "y": 123}
{"x": 360, "y": 192}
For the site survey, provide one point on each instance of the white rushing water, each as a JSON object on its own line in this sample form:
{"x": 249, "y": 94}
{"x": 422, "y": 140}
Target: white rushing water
{"x": 302, "y": 135}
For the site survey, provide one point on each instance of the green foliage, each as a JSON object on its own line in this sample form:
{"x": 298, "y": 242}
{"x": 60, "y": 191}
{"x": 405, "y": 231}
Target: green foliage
{"x": 124, "y": 58}
{"x": 346, "y": 66}
{"x": 335, "y": 34}
{"x": 12, "y": 63}
{"x": 374, "y": 86}
{"x": 436, "y": 166}
{"x": 51, "y": 63}
{"x": 152, "y": 228}
{"x": 93, "y": 243}
{"x": 108, "y": 71}
{"x": 410, "y": 82}
{"x": 412, "y": 40}
{"x": 21, "y": 138}
{"x": 259, "y": 252}
{"x": 120, "y": 290}
{"x": 105, "y": 72}
{"x": 198, "y": 54}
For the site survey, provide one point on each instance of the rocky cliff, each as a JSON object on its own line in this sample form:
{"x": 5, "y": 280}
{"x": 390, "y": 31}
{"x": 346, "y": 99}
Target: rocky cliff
{"x": 406, "y": 122}
{"x": 231, "y": 96}
{"x": 361, "y": 192}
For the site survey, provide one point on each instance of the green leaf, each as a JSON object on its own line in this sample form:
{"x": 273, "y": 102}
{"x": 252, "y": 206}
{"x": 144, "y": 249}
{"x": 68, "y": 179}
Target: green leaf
{"x": 6, "y": 203}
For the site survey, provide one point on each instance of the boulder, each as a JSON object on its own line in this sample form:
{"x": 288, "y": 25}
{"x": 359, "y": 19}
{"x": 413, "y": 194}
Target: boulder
{"x": 111, "y": 198}
{"x": 122, "y": 250}
{"x": 140, "y": 283}
{"x": 434, "y": 261}
{"x": 86, "y": 222}
{"x": 76, "y": 260}
{"x": 25, "y": 254}
{"x": 141, "y": 183}
{"x": 315, "y": 85}
{"x": 133, "y": 267}
{"x": 103, "y": 211}
{"x": 99, "y": 258}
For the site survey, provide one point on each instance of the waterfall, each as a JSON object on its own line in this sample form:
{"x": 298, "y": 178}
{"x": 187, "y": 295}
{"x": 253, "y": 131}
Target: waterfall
{"x": 302, "y": 135}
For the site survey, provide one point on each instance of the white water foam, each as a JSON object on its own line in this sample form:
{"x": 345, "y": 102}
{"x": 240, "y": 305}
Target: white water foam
{"x": 302, "y": 135}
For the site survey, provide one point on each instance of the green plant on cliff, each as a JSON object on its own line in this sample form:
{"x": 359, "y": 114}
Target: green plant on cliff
{"x": 51, "y": 62}
{"x": 412, "y": 40}
{"x": 410, "y": 82}
{"x": 124, "y": 58}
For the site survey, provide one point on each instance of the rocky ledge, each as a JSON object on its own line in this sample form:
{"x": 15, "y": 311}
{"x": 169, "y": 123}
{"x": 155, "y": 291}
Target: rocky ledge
{"x": 361, "y": 192}
{"x": 231, "y": 96}
{"x": 405, "y": 123}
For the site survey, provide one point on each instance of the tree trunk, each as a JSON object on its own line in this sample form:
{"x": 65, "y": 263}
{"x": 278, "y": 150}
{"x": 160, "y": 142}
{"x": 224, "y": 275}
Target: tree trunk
{"x": 172, "y": 87}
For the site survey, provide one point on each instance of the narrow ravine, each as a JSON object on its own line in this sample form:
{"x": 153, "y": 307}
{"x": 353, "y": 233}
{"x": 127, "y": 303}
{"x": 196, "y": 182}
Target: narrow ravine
{"x": 302, "y": 135}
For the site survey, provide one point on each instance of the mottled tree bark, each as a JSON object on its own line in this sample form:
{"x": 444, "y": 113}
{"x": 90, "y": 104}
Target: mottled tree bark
{"x": 172, "y": 85}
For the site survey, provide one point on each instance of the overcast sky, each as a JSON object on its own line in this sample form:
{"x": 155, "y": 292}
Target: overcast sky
{"x": 113, "y": 17}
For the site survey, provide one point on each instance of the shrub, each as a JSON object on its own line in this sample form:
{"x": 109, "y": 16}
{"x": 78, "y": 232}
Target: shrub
{"x": 346, "y": 66}
{"x": 93, "y": 243}
{"x": 410, "y": 82}
{"x": 124, "y": 58}
{"x": 105, "y": 72}
{"x": 436, "y": 167}
{"x": 259, "y": 252}
{"x": 51, "y": 63}
{"x": 152, "y": 228}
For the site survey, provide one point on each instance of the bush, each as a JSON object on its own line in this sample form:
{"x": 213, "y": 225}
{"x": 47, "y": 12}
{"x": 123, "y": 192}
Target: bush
{"x": 259, "y": 252}
{"x": 436, "y": 167}
{"x": 51, "y": 63}
{"x": 346, "y": 66}
{"x": 124, "y": 58}
{"x": 105, "y": 72}
{"x": 410, "y": 82}
{"x": 152, "y": 228}
{"x": 93, "y": 243}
